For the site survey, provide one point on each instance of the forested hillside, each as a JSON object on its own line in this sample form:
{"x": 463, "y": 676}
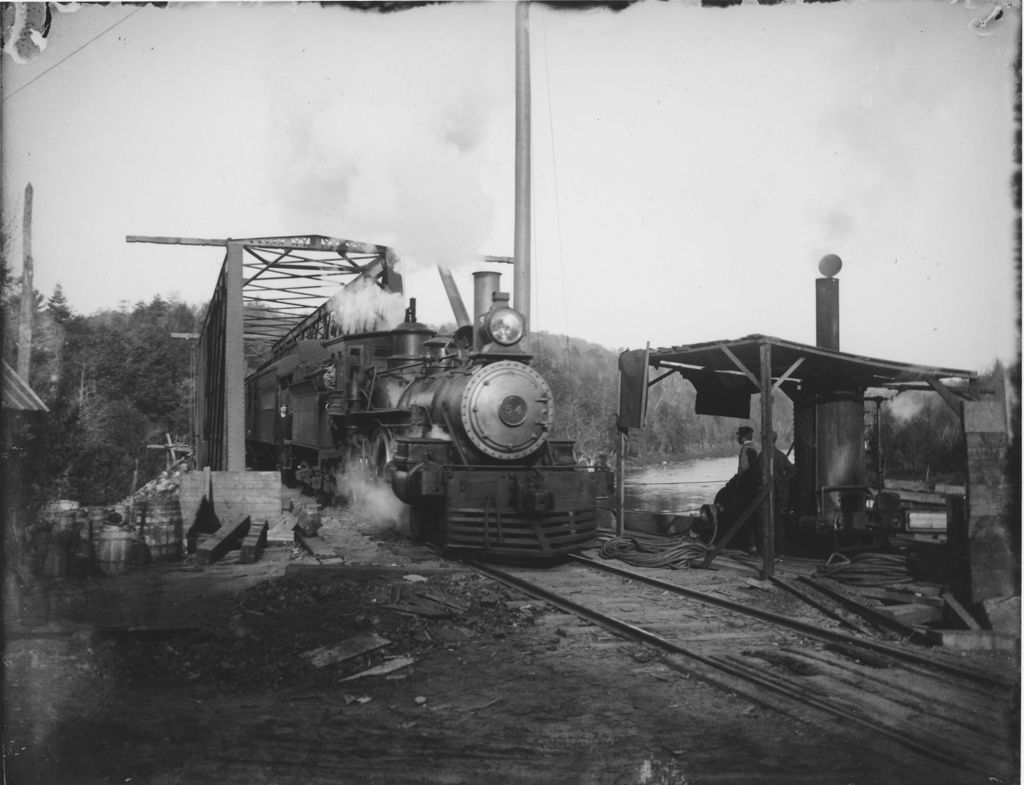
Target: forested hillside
{"x": 585, "y": 382}
{"x": 116, "y": 381}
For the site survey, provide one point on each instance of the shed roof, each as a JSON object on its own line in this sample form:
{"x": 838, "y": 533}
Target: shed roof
{"x": 809, "y": 366}
{"x": 18, "y": 395}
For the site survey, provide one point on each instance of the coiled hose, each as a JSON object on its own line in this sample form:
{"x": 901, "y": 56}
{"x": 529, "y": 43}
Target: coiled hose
{"x": 866, "y": 569}
{"x": 651, "y": 550}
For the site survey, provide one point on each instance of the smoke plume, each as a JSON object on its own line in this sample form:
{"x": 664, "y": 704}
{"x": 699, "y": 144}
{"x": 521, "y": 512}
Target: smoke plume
{"x": 362, "y": 306}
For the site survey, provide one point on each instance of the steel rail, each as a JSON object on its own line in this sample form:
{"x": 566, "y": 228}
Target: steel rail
{"x": 811, "y": 630}
{"x": 741, "y": 672}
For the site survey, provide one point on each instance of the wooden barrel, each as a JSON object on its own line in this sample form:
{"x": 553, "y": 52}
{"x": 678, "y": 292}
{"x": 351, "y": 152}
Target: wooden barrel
{"x": 51, "y": 514}
{"x": 65, "y": 527}
{"x": 96, "y": 519}
{"x": 162, "y": 529}
{"x": 57, "y": 560}
{"x": 113, "y": 550}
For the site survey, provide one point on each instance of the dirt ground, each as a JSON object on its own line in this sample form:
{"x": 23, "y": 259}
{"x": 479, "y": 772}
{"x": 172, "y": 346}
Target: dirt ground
{"x": 476, "y": 684}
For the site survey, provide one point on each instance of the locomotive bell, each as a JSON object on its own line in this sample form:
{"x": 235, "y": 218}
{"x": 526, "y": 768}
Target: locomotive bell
{"x": 410, "y": 338}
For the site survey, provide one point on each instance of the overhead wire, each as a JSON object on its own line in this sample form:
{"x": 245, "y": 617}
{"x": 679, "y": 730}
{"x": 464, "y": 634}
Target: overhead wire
{"x": 96, "y": 37}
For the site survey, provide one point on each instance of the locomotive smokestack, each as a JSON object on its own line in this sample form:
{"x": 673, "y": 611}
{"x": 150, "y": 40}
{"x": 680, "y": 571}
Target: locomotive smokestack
{"x": 485, "y": 284}
{"x": 827, "y": 302}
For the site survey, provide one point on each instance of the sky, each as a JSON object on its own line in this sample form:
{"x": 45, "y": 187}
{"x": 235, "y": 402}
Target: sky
{"x": 690, "y": 165}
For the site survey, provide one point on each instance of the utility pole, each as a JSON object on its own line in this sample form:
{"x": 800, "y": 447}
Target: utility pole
{"x": 28, "y": 304}
{"x": 521, "y": 249}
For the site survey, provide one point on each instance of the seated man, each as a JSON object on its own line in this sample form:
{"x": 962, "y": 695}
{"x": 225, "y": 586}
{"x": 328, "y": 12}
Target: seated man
{"x": 739, "y": 492}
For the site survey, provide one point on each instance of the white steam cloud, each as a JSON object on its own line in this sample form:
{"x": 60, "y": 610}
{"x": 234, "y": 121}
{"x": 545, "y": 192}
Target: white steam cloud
{"x": 372, "y": 499}
{"x": 406, "y": 162}
{"x": 362, "y": 306}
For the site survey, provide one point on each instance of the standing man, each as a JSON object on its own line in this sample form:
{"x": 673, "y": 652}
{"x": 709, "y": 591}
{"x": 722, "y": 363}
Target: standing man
{"x": 748, "y": 480}
{"x": 782, "y": 475}
{"x": 748, "y": 453}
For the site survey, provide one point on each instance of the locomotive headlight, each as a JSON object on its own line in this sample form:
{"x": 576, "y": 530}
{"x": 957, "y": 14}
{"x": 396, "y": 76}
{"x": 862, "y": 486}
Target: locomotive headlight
{"x": 505, "y": 326}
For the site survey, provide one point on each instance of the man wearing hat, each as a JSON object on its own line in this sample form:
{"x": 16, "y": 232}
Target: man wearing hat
{"x": 748, "y": 453}
{"x": 747, "y": 481}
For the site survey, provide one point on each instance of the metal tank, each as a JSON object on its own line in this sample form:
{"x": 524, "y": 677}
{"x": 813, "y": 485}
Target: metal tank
{"x": 829, "y": 426}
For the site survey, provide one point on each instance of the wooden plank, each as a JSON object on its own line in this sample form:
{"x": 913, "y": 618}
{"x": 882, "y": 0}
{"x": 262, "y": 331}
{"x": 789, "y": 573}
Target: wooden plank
{"x": 911, "y": 613}
{"x": 923, "y": 497}
{"x": 960, "y": 611}
{"x": 253, "y": 544}
{"x": 227, "y": 538}
{"x": 896, "y": 596}
{"x": 867, "y": 612}
{"x": 814, "y": 603}
{"x": 364, "y": 573}
{"x": 315, "y": 546}
{"x": 974, "y": 640}
{"x": 924, "y": 589}
{"x": 361, "y": 643}
{"x": 906, "y": 485}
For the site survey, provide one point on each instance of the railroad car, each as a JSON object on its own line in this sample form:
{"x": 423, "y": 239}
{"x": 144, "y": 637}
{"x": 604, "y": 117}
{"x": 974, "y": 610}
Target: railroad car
{"x": 458, "y": 425}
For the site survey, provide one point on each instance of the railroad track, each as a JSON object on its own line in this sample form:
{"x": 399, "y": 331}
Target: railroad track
{"x": 951, "y": 715}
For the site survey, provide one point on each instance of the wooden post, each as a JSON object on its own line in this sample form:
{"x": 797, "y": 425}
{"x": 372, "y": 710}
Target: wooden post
{"x": 992, "y": 561}
{"x": 28, "y": 295}
{"x": 767, "y": 466}
{"x": 620, "y": 524}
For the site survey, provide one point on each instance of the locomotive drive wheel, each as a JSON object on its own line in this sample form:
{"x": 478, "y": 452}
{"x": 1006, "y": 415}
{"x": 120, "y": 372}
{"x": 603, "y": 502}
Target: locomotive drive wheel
{"x": 366, "y": 460}
{"x": 382, "y": 450}
{"x": 286, "y": 467}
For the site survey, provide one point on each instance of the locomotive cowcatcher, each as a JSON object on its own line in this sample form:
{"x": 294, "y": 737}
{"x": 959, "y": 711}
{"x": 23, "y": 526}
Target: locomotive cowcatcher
{"x": 459, "y": 426}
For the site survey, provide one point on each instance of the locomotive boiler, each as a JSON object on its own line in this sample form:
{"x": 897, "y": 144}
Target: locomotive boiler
{"x": 460, "y": 427}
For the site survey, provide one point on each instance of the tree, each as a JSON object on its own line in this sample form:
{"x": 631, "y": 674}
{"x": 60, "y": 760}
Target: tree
{"x": 114, "y": 381}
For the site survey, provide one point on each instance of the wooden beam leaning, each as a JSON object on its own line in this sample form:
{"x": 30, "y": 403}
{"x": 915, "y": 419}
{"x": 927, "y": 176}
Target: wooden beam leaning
{"x": 743, "y": 516}
{"x": 736, "y": 361}
{"x": 955, "y": 403}
{"x": 789, "y": 372}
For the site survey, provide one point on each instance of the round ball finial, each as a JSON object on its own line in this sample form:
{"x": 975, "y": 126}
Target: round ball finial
{"x": 830, "y": 265}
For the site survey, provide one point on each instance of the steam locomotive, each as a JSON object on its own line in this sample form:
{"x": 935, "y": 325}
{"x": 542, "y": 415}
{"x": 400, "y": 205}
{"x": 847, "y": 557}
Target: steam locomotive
{"x": 459, "y": 426}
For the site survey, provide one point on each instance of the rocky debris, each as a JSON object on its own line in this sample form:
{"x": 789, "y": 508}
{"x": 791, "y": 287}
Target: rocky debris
{"x": 310, "y": 631}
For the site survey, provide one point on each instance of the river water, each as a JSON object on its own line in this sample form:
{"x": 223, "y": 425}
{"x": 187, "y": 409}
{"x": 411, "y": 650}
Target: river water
{"x": 679, "y": 487}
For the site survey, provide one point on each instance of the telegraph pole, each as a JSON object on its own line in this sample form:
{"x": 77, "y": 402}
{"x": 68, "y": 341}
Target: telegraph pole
{"x": 28, "y": 297}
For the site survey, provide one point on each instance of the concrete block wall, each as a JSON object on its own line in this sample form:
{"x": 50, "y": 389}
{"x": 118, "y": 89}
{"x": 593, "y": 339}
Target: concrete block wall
{"x": 256, "y": 494}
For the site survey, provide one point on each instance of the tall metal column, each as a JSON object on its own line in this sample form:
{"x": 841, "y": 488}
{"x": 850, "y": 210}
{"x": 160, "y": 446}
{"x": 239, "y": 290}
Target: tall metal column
{"x": 521, "y": 248}
{"x": 234, "y": 361}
